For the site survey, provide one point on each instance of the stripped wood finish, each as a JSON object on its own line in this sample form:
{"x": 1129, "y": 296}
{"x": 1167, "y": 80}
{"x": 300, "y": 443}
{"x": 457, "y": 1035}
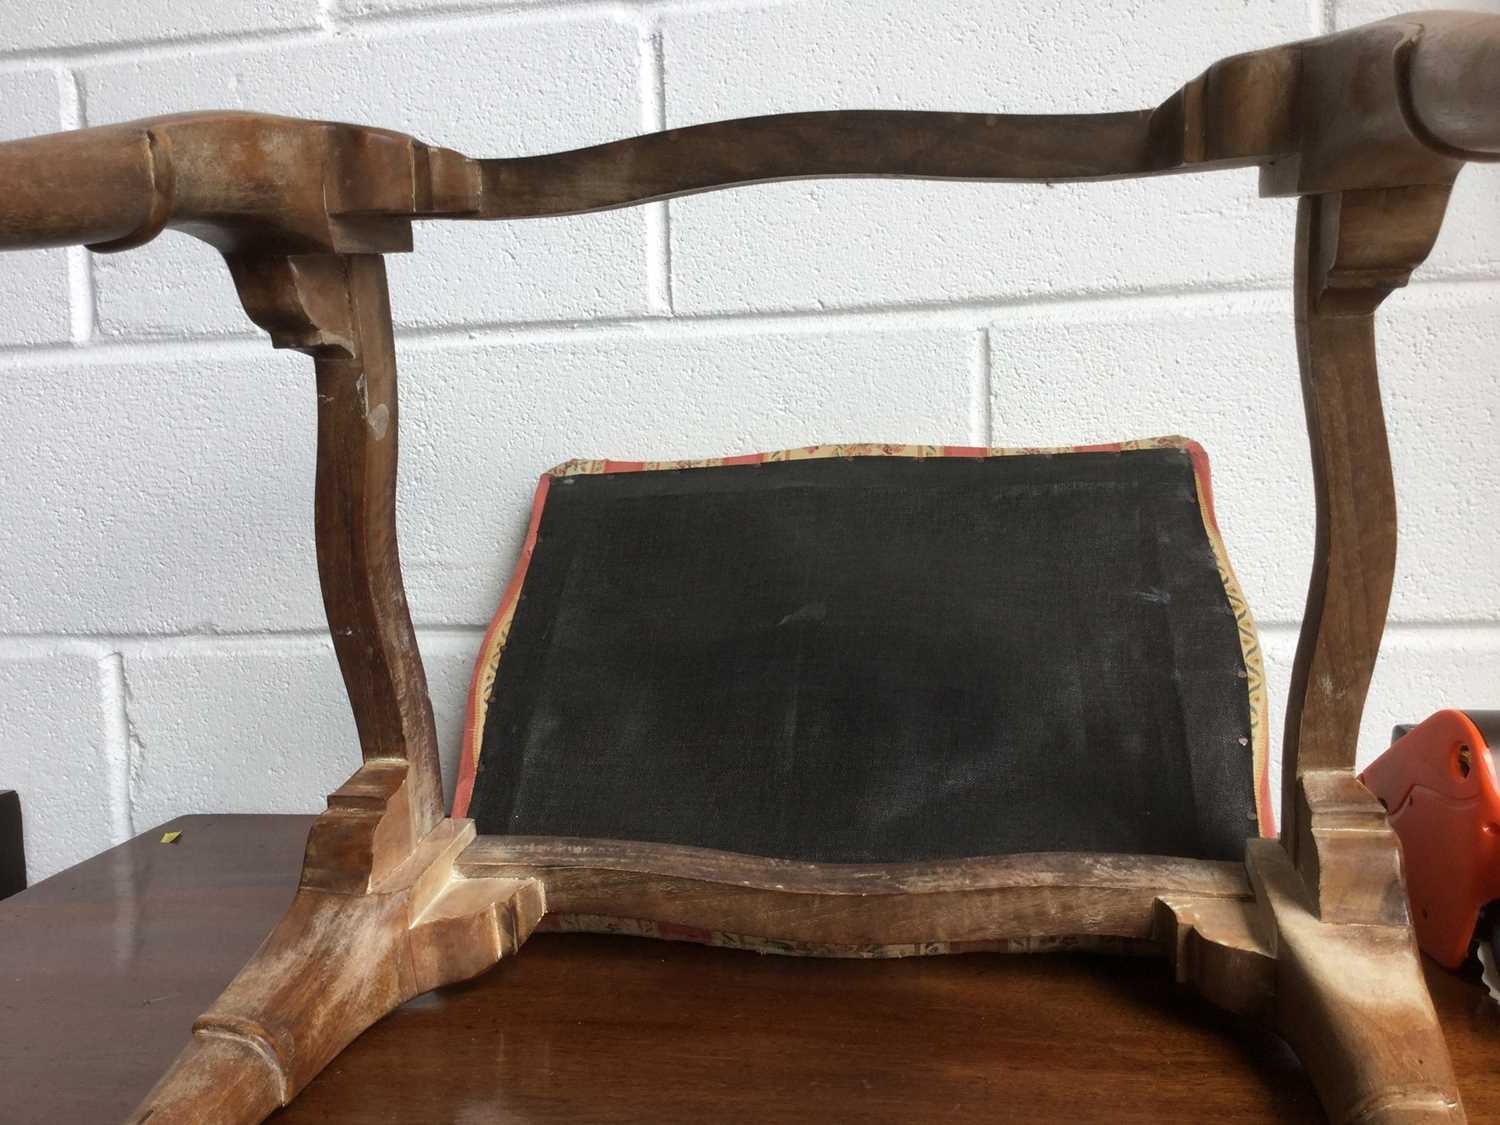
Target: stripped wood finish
{"x": 1311, "y": 936}
{"x": 1062, "y": 899}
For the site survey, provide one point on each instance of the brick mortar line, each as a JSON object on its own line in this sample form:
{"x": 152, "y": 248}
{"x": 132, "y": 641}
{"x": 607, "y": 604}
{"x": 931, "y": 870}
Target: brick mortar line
{"x": 981, "y": 390}
{"x": 1101, "y": 308}
{"x": 99, "y": 645}
{"x": 652, "y": 81}
{"x": 118, "y": 744}
{"x": 337, "y": 30}
{"x": 462, "y": 13}
{"x": 83, "y": 306}
{"x": 152, "y": 50}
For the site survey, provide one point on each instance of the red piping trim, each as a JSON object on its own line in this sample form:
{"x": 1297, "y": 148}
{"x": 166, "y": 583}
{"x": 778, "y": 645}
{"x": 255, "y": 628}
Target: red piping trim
{"x": 1263, "y": 797}
{"x": 468, "y": 755}
{"x": 1200, "y": 467}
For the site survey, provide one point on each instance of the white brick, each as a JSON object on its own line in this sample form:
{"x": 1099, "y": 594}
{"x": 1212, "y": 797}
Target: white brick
{"x": 492, "y": 89}
{"x": 1352, "y": 13}
{"x": 177, "y": 495}
{"x": 159, "y": 495}
{"x": 33, "y": 283}
{"x": 1228, "y": 377}
{"x": 1467, "y": 245}
{"x": 818, "y": 244}
{"x": 1437, "y": 347}
{"x": 1420, "y": 670}
{"x": 49, "y": 26}
{"x": 492, "y": 420}
{"x": 54, "y": 752}
{"x": 260, "y": 725}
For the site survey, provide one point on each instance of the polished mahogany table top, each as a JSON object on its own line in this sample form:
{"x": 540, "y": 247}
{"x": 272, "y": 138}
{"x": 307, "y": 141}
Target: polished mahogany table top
{"x": 104, "y": 966}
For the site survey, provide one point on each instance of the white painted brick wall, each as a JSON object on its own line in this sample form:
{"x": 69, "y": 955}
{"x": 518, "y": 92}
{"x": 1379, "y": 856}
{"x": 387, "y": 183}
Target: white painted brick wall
{"x": 161, "y": 648}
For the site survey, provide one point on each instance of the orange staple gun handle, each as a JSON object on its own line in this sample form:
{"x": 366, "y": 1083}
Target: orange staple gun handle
{"x": 1439, "y": 784}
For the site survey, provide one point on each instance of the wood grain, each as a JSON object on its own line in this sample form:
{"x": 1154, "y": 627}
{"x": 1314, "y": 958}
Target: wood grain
{"x": 1006, "y": 902}
{"x": 359, "y": 565}
{"x": 337, "y": 309}
{"x": 256, "y": 183}
{"x": 1352, "y": 250}
{"x": 1452, "y": 72}
{"x": 336, "y": 962}
{"x": 907, "y": 144}
{"x": 1352, "y": 1002}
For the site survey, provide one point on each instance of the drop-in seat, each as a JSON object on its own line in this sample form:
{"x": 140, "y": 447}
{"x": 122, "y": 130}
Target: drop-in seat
{"x": 875, "y": 655}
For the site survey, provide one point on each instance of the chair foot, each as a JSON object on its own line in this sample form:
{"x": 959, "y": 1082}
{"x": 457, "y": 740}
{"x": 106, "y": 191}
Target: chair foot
{"x": 337, "y": 962}
{"x": 1352, "y": 1002}
{"x": 1325, "y": 955}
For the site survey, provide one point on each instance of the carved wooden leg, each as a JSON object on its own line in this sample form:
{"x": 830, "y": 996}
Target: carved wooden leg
{"x": 380, "y": 915}
{"x": 1326, "y": 956}
{"x": 343, "y": 956}
{"x": 1351, "y": 1001}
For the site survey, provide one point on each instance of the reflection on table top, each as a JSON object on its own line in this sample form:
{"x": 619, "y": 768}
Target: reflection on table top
{"x": 104, "y": 967}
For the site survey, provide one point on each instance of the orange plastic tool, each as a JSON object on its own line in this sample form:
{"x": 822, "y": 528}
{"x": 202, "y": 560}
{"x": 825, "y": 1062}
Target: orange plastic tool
{"x": 1439, "y": 783}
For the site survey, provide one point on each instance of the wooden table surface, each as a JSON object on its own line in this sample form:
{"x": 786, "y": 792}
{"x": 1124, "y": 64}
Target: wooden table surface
{"x": 104, "y": 966}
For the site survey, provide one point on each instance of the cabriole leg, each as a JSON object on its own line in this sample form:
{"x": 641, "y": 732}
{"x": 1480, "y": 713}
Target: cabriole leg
{"x": 1326, "y": 957}
{"x": 1352, "y": 1002}
{"x": 341, "y": 958}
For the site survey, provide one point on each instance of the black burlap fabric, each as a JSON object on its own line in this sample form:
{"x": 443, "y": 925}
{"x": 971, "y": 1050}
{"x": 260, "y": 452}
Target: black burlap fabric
{"x": 876, "y": 659}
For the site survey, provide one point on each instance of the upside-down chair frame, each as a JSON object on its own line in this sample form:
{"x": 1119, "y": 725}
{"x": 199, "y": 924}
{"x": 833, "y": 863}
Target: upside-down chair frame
{"x": 1311, "y": 934}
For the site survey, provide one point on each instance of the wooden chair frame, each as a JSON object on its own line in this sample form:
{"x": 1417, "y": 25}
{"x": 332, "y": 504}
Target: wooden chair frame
{"x": 1311, "y": 934}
